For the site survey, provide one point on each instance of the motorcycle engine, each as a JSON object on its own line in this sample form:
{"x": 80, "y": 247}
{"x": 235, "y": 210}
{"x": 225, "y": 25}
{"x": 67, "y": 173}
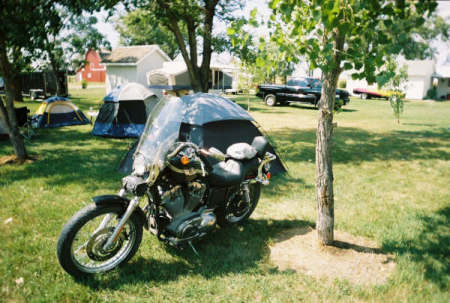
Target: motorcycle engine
{"x": 180, "y": 203}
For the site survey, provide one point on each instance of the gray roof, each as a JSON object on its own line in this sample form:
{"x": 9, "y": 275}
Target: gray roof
{"x": 129, "y": 54}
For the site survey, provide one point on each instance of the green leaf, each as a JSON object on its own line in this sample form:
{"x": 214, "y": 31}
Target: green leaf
{"x": 231, "y": 31}
{"x": 348, "y": 65}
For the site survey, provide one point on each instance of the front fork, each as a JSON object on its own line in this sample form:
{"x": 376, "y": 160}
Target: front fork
{"x": 119, "y": 227}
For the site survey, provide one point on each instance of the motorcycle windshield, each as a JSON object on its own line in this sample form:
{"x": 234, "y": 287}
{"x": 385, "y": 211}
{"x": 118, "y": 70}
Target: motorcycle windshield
{"x": 160, "y": 133}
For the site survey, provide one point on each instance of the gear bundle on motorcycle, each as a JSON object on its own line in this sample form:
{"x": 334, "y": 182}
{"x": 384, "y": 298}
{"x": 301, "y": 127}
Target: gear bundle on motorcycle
{"x": 187, "y": 195}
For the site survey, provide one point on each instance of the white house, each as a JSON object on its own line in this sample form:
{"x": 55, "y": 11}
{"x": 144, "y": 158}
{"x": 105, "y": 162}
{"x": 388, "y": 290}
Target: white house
{"x": 419, "y": 78}
{"x": 131, "y": 64}
{"x": 420, "y": 74}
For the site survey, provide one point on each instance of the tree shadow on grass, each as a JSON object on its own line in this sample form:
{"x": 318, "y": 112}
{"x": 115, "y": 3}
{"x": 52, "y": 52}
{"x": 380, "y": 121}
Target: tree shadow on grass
{"x": 68, "y": 156}
{"x": 226, "y": 250}
{"x": 357, "y": 145}
{"x": 430, "y": 249}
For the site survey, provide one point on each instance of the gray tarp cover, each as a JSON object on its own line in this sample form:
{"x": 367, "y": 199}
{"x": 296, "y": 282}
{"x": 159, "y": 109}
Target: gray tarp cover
{"x": 202, "y": 108}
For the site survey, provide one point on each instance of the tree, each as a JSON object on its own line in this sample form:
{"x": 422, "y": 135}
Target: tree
{"x": 65, "y": 38}
{"x": 397, "y": 77}
{"x": 138, "y": 27}
{"x": 82, "y": 36}
{"x": 262, "y": 59}
{"x": 191, "y": 22}
{"x": 337, "y": 35}
{"x": 20, "y": 19}
{"x": 21, "y": 31}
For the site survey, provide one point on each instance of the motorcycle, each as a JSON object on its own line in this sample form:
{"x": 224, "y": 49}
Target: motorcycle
{"x": 189, "y": 190}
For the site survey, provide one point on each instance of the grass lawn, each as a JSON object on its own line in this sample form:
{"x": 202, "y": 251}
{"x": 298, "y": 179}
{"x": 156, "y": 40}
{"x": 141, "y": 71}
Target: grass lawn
{"x": 391, "y": 185}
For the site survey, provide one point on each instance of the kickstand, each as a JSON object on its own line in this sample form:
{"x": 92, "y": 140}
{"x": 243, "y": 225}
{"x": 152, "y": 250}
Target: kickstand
{"x": 193, "y": 248}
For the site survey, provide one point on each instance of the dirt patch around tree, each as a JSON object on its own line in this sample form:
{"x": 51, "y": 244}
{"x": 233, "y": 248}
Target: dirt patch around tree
{"x": 12, "y": 159}
{"x": 351, "y": 258}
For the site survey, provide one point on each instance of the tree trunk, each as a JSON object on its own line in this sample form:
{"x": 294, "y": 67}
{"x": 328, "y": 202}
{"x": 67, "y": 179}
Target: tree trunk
{"x": 55, "y": 73}
{"x": 324, "y": 166}
{"x": 18, "y": 89}
{"x": 11, "y": 121}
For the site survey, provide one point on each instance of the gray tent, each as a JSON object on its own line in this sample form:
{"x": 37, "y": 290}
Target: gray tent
{"x": 213, "y": 121}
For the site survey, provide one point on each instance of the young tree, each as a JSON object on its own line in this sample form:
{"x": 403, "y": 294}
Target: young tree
{"x": 342, "y": 34}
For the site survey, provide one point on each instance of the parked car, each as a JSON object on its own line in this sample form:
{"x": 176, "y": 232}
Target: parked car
{"x": 307, "y": 90}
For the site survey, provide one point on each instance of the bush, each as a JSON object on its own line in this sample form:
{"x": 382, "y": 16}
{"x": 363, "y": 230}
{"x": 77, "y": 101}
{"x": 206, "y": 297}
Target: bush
{"x": 342, "y": 83}
{"x": 431, "y": 93}
{"x": 84, "y": 84}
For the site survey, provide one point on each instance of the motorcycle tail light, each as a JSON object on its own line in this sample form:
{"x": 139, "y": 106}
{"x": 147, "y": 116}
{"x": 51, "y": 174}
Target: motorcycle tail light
{"x": 268, "y": 175}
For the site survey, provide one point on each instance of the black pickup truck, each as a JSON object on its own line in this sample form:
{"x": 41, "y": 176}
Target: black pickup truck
{"x": 306, "y": 90}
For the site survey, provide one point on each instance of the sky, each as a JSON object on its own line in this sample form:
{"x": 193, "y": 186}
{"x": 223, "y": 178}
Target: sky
{"x": 107, "y": 27}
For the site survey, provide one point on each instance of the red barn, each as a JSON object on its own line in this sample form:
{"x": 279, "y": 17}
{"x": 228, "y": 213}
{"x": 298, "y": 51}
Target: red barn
{"x": 94, "y": 70}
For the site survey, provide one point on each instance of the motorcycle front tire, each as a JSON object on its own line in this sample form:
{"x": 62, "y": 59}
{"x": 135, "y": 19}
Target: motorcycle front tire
{"x": 65, "y": 249}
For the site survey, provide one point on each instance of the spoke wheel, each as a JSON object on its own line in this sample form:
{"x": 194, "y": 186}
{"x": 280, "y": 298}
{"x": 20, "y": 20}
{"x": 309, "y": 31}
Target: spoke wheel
{"x": 237, "y": 210}
{"x": 81, "y": 248}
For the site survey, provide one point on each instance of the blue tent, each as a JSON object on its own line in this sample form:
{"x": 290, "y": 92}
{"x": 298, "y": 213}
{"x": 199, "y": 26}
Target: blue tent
{"x": 125, "y": 111}
{"x": 58, "y": 111}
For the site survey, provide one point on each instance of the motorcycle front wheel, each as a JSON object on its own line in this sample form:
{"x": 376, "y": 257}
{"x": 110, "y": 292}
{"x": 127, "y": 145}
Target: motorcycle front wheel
{"x": 236, "y": 210}
{"x": 80, "y": 246}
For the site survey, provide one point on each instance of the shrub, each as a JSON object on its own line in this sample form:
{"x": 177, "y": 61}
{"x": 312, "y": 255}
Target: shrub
{"x": 431, "y": 93}
{"x": 84, "y": 84}
{"x": 342, "y": 83}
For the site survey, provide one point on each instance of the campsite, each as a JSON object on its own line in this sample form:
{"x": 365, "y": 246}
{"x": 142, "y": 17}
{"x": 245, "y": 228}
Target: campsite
{"x": 405, "y": 217}
{"x": 218, "y": 151}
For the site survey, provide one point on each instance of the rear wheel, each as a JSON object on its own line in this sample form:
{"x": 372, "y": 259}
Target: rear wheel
{"x": 270, "y": 100}
{"x": 364, "y": 96}
{"x": 81, "y": 243}
{"x": 237, "y": 210}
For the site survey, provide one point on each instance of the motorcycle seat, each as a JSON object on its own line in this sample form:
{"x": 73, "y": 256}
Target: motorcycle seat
{"x": 241, "y": 151}
{"x": 232, "y": 172}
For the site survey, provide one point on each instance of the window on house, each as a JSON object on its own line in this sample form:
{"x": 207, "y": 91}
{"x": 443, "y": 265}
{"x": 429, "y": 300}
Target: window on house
{"x": 89, "y": 75}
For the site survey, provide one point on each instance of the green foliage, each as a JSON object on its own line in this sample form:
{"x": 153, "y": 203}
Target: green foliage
{"x": 407, "y": 217}
{"x": 397, "y": 105}
{"x": 394, "y": 80}
{"x": 140, "y": 27}
{"x": 84, "y": 84}
{"x": 345, "y": 34}
{"x": 82, "y": 36}
{"x": 432, "y": 93}
{"x": 191, "y": 23}
{"x": 342, "y": 83}
{"x": 265, "y": 60}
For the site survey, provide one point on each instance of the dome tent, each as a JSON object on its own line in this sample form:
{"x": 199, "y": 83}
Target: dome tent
{"x": 124, "y": 111}
{"x": 213, "y": 121}
{"x": 56, "y": 112}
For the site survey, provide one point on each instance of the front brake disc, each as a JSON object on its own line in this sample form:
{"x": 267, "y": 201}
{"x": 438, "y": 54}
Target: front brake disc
{"x": 94, "y": 247}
